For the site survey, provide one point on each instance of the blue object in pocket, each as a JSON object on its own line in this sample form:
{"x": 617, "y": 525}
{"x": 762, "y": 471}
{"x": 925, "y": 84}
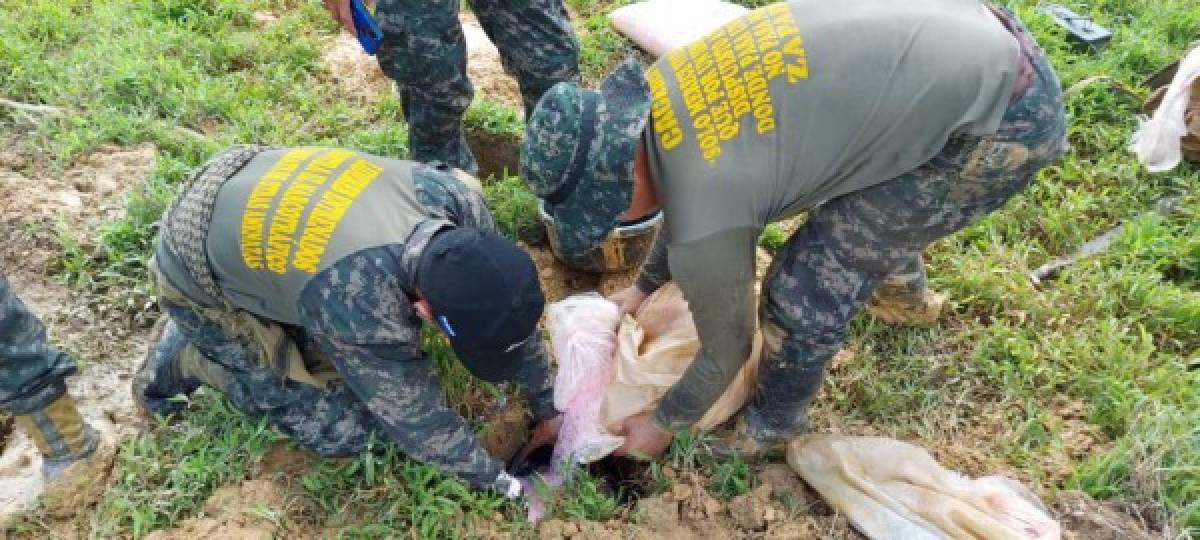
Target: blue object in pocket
{"x": 369, "y": 34}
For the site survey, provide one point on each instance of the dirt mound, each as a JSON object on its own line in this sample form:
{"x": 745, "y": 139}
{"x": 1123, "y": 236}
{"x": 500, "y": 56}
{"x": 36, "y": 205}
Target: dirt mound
{"x": 284, "y": 461}
{"x": 255, "y": 509}
{"x": 507, "y": 430}
{"x": 777, "y": 508}
{"x": 89, "y": 192}
{"x": 1084, "y": 518}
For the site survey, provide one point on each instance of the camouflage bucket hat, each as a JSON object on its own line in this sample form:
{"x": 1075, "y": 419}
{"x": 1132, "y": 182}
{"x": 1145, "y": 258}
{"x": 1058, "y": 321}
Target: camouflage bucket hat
{"x": 578, "y": 154}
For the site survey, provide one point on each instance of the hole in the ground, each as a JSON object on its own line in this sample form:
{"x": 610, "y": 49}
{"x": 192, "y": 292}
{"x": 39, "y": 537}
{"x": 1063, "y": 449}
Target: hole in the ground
{"x": 536, "y": 459}
{"x": 626, "y": 479}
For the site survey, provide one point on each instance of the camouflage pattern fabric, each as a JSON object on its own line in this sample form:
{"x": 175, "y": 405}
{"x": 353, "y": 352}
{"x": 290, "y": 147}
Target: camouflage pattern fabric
{"x": 32, "y": 386}
{"x": 355, "y": 317}
{"x": 31, "y": 372}
{"x": 578, "y": 156}
{"x": 851, "y": 244}
{"x": 424, "y": 52}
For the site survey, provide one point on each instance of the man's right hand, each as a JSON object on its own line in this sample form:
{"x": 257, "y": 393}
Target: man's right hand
{"x": 340, "y": 9}
{"x": 628, "y": 300}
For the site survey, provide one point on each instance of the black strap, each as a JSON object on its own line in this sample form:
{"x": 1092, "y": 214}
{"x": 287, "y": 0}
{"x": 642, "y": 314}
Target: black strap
{"x": 579, "y": 161}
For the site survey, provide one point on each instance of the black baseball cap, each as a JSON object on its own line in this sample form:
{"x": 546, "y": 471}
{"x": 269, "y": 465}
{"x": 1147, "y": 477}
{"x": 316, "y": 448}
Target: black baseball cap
{"x": 485, "y": 296}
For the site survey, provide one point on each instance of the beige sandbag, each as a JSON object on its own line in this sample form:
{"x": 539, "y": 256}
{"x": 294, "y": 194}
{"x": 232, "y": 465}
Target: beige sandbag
{"x": 892, "y": 489}
{"x": 658, "y": 26}
{"x": 654, "y": 348}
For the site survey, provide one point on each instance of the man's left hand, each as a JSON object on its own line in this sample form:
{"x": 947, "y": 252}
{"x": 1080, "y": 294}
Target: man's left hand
{"x": 643, "y": 438}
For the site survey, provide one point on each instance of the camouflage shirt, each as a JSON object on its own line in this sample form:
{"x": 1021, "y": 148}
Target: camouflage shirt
{"x": 354, "y": 294}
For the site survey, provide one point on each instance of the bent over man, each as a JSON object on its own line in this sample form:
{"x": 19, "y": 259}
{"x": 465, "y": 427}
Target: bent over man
{"x": 892, "y": 123}
{"x": 296, "y": 280}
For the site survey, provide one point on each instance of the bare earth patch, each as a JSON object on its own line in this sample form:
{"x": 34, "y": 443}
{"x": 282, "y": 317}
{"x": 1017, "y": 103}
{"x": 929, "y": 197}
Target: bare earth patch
{"x": 252, "y": 510}
{"x": 106, "y": 332}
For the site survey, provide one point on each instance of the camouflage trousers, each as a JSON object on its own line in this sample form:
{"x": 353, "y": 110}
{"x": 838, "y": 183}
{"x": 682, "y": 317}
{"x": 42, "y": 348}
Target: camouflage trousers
{"x": 32, "y": 386}
{"x": 31, "y": 372}
{"x": 853, "y": 244}
{"x": 265, "y": 369}
{"x": 424, "y": 52}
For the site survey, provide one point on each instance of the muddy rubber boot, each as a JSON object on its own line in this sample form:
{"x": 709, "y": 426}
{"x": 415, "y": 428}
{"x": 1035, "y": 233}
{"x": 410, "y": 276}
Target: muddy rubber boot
{"x": 750, "y": 444}
{"x": 162, "y": 375}
{"x": 60, "y": 435}
{"x": 905, "y": 309}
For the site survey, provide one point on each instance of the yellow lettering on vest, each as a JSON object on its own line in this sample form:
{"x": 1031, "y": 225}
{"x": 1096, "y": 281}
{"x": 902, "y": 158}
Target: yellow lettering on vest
{"x": 291, "y": 207}
{"x": 259, "y": 202}
{"x": 329, "y": 211}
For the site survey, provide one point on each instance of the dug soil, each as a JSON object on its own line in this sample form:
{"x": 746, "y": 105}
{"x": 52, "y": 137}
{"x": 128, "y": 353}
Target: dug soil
{"x": 106, "y": 330}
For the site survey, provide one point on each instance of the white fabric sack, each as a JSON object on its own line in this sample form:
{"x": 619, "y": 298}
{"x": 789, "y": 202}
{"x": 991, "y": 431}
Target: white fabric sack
{"x": 606, "y": 375}
{"x": 658, "y": 26}
{"x": 1157, "y": 140}
{"x": 892, "y": 489}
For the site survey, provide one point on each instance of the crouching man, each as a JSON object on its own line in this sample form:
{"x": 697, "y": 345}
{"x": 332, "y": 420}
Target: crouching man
{"x": 296, "y": 281}
{"x": 892, "y": 123}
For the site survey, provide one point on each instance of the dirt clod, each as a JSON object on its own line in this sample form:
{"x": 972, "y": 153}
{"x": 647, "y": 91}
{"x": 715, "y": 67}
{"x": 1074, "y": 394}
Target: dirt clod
{"x": 282, "y": 459}
{"x": 495, "y": 154}
{"x": 749, "y": 511}
{"x": 1085, "y": 518}
{"x": 783, "y": 482}
{"x": 658, "y": 511}
{"x": 507, "y": 431}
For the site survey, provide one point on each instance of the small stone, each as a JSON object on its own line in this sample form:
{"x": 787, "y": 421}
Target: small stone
{"x": 747, "y": 512}
{"x": 783, "y": 482}
{"x": 658, "y": 511}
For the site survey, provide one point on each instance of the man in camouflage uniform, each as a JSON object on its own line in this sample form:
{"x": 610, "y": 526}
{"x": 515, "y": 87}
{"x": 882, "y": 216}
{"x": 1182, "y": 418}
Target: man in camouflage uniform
{"x": 892, "y": 124}
{"x": 424, "y": 52}
{"x": 32, "y": 388}
{"x": 296, "y": 281}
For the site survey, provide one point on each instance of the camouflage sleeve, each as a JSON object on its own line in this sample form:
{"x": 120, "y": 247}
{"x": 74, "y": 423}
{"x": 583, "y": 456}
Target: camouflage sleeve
{"x": 400, "y": 386}
{"x": 655, "y": 271}
{"x": 452, "y": 195}
{"x": 534, "y": 378}
{"x": 31, "y": 372}
{"x": 716, "y": 275}
{"x": 358, "y": 313}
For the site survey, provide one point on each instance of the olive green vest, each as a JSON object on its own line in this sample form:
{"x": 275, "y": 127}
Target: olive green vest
{"x": 291, "y": 213}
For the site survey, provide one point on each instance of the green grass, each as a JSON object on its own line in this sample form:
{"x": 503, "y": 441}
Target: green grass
{"x": 1114, "y": 333}
{"x": 515, "y": 210}
{"x": 164, "y": 476}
